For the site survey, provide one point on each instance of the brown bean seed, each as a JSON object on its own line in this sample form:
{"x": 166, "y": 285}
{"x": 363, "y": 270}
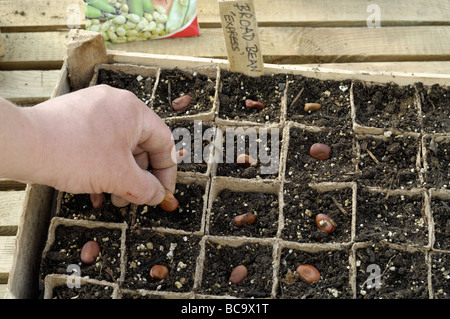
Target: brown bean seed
{"x": 320, "y": 151}
{"x": 310, "y": 107}
{"x": 159, "y": 272}
{"x": 308, "y": 273}
{"x": 90, "y": 252}
{"x": 245, "y": 160}
{"x": 97, "y": 200}
{"x": 250, "y": 104}
{"x": 325, "y": 223}
{"x": 169, "y": 203}
{"x": 182, "y": 103}
{"x": 244, "y": 219}
{"x": 238, "y": 274}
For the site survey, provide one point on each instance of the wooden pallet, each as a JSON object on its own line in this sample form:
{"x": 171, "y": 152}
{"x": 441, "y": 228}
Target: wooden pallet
{"x": 414, "y": 37}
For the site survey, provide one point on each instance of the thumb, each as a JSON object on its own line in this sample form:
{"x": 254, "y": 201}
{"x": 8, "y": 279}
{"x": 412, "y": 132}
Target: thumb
{"x": 139, "y": 187}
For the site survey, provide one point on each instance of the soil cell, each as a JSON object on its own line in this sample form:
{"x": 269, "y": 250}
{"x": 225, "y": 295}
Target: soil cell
{"x": 188, "y": 215}
{"x": 146, "y": 248}
{"x": 221, "y": 259}
{"x": 197, "y": 138}
{"x": 229, "y": 204}
{"x": 390, "y": 163}
{"x": 334, "y": 96}
{"x": 393, "y": 273}
{"x": 264, "y": 146}
{"x": 176, "y": 83}
{"x": 334, "y": 271}
{"x": 85, "y": 291}
{"x": 79, "y": 206}
{"x": 440, "y": 210}
{"x": 438, "y": 163}
{"x": 236, "y": 88}
{"x": 440, "y": 275}
{"x": 435, "y": 107}
{"x": 386, "y": 106}
{"x": 394, "y": 218}
{"x": 65, "y": 251}
{"x": 141, "y": 86}
{"x": 301, "y": 205}
{"x": 301, "y": 167}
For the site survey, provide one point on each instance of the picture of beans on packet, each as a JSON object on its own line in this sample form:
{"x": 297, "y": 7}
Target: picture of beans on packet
{"x": 121, "y": 21}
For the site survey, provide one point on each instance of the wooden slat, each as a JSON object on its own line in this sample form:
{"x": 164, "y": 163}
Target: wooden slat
{"x": 321, "y": 13}
{"x": 11, "y": 206}
{"x": 7, "y": 245}
{"x": 45, "y": 50}
{"x": 27, "y": 87}
{"x": 2, "y": 48}
{"x": 318, "y": 45}
{"x": 32, "y": 15}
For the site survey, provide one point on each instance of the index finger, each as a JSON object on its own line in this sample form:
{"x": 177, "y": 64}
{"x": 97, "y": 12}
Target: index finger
{"x": 156, "y": 139}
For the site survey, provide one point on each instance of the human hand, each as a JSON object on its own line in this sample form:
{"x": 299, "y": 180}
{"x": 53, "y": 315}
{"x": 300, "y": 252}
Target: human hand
{"x": 102, "y": 139}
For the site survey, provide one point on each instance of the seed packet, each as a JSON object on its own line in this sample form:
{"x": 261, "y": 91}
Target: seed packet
{"x": 122, "y": 21}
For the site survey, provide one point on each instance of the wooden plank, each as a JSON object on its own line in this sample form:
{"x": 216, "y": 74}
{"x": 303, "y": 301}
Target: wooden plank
{"x": 7, "y": 246}
{"x": 34, "y": 50}
{"x": 11, "y": 205}
{"x": 328, "y": 13}
{"x": 317, "y": 45}
{"x": 27, "y": 87}
{"x": 29, "y": 15}
{"x": 45, "y": 50}
{"x": 2, "y": 48}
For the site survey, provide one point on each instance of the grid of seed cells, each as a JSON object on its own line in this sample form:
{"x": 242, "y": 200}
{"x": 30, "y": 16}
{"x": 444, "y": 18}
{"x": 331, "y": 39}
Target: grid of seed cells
{"x": 339, "y": 188}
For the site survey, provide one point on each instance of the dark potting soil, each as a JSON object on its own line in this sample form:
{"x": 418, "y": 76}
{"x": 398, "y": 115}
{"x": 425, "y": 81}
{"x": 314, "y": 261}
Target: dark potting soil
{"x": 229, "y": 204}
{"x": 396, "y": 274}
{"x": 196, "y": 137}
{"x": 301, "y": 205}
{"x": 301, "y": 167}
{"x": 85, "y": 291}
{"x": 187, "y": 217}
{"x": 333, "y": 96}
{"x": 79, "y": 206}
{"x": 235, "y": 88}
{"x": 435, "y": 108}
{"x": 221, "y": 259}
{"x": 386, "y": 106}
{"x": 440, "y": 210}
{"x": 176, "y": 83}
{"x": 389, "y": 163}
{"x": 437, "y": 173}
{"x": 147, "y": 248}
{"x": 333, "y": 266}
{"x": 394, "y": 218}
{"x": 259, "y": 145}
{"x": 65, "y": 252}
{"x": 440, "y": 275}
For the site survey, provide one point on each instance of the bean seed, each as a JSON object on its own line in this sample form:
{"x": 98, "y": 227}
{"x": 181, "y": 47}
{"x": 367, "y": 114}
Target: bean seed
{"x": 90, "y": 252}
{"x": 182, "y": 103}
{"x": 250, "y": 104}
{"x": 320, "y": 151}
{"x": 238, "y": 274}
{"x": 310, "y": 107}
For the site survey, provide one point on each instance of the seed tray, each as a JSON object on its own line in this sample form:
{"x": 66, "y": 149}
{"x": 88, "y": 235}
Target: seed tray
{"x": 379, "y": 186}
